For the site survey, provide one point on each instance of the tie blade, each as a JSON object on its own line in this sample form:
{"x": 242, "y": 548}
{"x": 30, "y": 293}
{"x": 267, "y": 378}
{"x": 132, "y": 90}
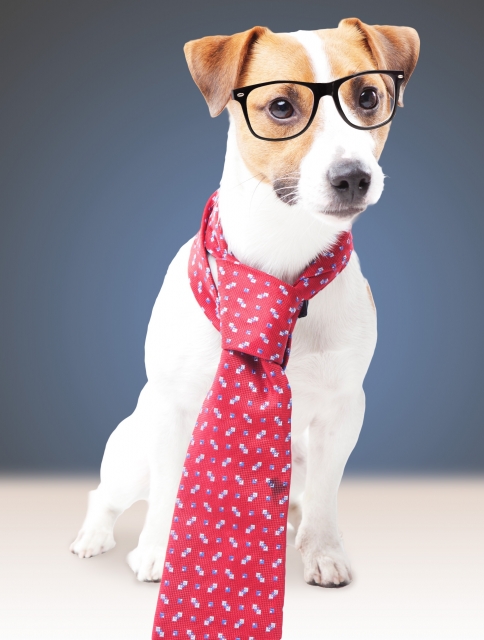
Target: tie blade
{"x": 225, "y": 563}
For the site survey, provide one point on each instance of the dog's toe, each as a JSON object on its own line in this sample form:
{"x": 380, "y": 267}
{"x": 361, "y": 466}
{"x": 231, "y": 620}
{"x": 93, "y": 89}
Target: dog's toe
{"x": 324, "y": 565}
{"x": 326, "y": 571}
{"x": 91, "y": 543}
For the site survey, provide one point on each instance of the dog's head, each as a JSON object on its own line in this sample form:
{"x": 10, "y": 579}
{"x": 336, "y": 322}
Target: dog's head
{"x": 331, "y": 169}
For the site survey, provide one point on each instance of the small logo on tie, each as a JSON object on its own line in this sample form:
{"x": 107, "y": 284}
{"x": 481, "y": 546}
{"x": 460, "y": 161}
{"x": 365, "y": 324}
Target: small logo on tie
{"x": 276, "y": 485}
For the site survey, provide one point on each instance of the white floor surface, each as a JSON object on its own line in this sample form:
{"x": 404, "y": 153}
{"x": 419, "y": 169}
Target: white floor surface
{"x": 416, "y": 545}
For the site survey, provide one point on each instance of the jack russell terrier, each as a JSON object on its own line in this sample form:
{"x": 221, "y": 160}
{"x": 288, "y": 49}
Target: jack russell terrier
{"x": 304, "y": 140}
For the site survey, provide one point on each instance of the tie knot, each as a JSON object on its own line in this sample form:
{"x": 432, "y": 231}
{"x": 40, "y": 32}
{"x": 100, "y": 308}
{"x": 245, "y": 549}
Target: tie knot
{"x": 257, "y": 311}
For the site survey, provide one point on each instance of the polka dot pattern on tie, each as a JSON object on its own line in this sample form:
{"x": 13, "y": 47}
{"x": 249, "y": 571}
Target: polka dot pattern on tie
{"x": 224, "y": 571}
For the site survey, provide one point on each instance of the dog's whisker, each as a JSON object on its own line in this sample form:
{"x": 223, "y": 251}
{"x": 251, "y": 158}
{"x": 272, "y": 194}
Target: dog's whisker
{"x": 288, "y": 177}
{"x": 253, "y": 193}
{"x": 293, "y": 175}
{"x": 244, "y": 181}
{"x": 292, "y": 198}
{"x": 283, "y": 188}
{"x": 290, "y": 173}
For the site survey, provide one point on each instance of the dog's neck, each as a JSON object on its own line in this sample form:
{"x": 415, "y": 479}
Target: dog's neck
{"x": 260, "y": 229}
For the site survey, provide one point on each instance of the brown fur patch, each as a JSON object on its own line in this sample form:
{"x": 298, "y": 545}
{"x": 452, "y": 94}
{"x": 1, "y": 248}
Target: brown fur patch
{"x": 215, "y": 63}
{"x": 363, "y": 47}
{"x": 347, "y": 54}
{"x": 273, "y": 57}
{"x": 391, "y": 47}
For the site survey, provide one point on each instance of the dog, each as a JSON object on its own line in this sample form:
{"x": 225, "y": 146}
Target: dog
{"x": 298, "y": 194}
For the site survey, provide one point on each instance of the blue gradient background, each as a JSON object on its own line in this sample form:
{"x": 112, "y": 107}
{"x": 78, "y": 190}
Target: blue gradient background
{"x": 108, "y": 154}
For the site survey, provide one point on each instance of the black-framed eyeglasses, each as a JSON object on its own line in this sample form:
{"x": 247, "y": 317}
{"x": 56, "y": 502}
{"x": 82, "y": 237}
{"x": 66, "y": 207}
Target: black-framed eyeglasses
{"x": 284, "y": 109}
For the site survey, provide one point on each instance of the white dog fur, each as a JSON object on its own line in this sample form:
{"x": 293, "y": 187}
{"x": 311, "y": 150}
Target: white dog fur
{"x": 332, "y": 349}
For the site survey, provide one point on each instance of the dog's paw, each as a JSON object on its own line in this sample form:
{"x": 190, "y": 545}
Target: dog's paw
{"x": 327, "y": 569}
{"x": 92, "y": 542}
{"x": 147, "y": 562}
{"x": 324, "y": 565}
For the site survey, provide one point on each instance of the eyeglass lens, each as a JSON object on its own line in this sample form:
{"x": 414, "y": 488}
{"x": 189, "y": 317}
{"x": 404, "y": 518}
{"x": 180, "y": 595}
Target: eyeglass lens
{"x": 368, "y": 100}
{"x": 279, "y": 110}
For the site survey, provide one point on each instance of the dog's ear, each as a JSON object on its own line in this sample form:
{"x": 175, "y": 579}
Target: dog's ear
{"x": 392, "y": 48}
{"x": 216, "y": 62}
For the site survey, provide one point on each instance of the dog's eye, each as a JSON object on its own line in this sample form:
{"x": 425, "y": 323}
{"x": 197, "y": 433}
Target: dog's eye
{"x": 368, "y": 99}
{"x": 281, "y": 109}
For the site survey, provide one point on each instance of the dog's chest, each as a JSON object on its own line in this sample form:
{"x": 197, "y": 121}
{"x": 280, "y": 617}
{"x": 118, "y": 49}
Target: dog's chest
{"x": 332, "y": 346}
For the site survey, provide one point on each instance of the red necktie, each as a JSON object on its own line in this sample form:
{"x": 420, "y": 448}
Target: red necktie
{"x": 224, "y": 570}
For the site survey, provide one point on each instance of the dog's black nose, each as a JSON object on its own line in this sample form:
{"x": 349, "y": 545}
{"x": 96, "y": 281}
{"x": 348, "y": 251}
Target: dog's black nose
{"x": 349, "y": 180}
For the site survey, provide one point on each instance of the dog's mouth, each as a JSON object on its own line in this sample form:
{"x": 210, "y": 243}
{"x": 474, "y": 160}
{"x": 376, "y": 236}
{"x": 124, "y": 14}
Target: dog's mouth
{"x": 343, "y": 212}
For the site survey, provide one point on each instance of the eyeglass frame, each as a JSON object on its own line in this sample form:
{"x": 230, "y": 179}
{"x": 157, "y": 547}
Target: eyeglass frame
{"x": 320, "y": 89}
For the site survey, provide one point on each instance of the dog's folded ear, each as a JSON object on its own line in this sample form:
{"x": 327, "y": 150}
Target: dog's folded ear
{"x": 216, "y": 63}
{"x": 392, "y": 48}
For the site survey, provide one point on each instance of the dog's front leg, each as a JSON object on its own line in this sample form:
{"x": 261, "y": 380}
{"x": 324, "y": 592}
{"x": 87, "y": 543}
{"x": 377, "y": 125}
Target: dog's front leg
{"x": 332, "y": 436}
{"x": 167, "y": 452}
{"x": 147, "y": 559}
